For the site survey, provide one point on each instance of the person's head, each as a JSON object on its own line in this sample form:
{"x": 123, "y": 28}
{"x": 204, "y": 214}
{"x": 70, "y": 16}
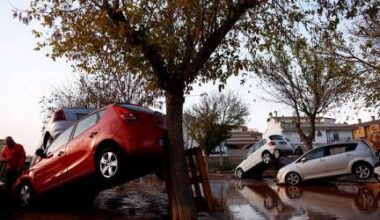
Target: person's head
{"x": 9, "y": 141}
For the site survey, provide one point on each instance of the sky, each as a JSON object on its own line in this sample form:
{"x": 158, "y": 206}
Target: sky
{"x": 27, "y": 75}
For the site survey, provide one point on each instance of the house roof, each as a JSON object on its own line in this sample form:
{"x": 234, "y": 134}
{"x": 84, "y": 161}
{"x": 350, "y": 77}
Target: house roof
{"x": 303, "y": 117}
{"x": 329, "y": 127}
{"x": 243, "y": 138}
{"x": 367, "y": 123}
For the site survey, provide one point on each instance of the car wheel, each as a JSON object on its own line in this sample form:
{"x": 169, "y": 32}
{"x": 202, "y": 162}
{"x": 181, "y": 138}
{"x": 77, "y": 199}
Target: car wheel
{"x": 362, "y": 171}
{"x": 365, "y": 200}
{"x": 25, "y": 195}
{"x": 266, "y": 157}
{"x": 276, "y": 154}
{"x": 108, "y": 164}
{"x": 292, "y": 179}
{"x": 293, "y": 192}
{"x": 239, "y": 173}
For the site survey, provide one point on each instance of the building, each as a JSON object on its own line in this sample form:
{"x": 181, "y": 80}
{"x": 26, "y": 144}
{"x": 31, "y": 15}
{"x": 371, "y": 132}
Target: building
{"x": 236, "y": 147}
{"x": 369, "y": 131}
{"x": 326, "y": 129}
{"x": 242, "y": 138}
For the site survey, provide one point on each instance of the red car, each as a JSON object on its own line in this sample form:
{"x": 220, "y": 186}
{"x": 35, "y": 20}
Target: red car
{"x": 104, "y": 144}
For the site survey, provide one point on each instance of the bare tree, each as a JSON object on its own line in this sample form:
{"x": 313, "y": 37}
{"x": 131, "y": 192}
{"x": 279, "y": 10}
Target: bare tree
{"x": 308, "y": 82}
{"x": 213, "y": 119}
{"x": 362, "y": 50}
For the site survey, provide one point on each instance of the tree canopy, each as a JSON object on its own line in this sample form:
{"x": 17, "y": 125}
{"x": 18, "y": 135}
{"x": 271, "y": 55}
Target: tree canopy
{"x": 214, "y": 117}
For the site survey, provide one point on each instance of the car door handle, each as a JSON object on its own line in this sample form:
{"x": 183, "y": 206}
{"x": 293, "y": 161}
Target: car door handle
{"x": 348, "y": 155}
{"x": 321, "y": 160}
{"x": 93, "y": 134}
{"x": 61, "y": 153}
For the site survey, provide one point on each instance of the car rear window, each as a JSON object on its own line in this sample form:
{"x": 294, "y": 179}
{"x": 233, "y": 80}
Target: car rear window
{"x": 276, "y": 137}
{"x": 137, "y": 108}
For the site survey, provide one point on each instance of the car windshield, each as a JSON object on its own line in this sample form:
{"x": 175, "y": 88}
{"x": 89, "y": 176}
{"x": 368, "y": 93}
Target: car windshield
{"x": 276, "y": 137}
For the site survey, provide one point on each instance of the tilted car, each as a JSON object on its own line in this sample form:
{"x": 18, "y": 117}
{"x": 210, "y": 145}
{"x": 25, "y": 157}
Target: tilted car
{"x": 102, "y": 144}
{"x": 265, "y": 151}
{"x": 60, "y": 120}
{"x": 354, "y": 157}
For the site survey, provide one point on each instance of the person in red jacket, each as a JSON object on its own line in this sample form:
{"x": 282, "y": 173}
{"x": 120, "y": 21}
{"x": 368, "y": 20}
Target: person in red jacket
{"x": 14, "y": 155}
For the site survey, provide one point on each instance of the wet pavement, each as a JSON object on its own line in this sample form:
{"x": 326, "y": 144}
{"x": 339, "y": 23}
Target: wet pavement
{"x": 250, "y": 199}
{"x": 145, "y": 198}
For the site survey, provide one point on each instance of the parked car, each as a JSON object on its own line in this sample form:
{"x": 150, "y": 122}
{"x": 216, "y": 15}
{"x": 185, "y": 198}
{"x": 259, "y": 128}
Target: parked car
{"x": 265, "y": 151}
{"x": 60, "y": 120}
{"x": 354, "y": 157}
{"x": 103, "y": 145}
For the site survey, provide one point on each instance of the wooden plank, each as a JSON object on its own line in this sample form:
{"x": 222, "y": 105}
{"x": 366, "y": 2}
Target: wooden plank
{"x": 199, "y": 179}
{"x": 205, "y": 179}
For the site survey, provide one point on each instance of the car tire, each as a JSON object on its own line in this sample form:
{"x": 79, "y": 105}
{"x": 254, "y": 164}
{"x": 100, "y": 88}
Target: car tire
{"x": 25, "y": 195}
{"x": 293, "y": 192}
{"x": 366, "y": 200}
{"x": 239, "y": 173}
{"x": 362, "y": 171}
{"x": 266, "y": 157}
{"x": 276, "y": 154}
{"x": 108, "y": 164}
{"x": 292, "y": 179}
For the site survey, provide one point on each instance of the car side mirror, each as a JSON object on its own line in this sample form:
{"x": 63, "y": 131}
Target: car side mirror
{"x": 40, "y": 152}
{"x": 303, "y": 160}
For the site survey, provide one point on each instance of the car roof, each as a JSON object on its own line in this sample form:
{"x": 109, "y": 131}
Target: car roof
{"x": 341, "y": 142}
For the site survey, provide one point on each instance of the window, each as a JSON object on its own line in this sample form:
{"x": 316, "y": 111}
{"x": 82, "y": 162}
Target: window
{"x": 60, "y": 141}
{"x": 315, "y": 154}
{"x": 342, "y": 148}
{"x": 258, "y": 145}
{"x": 276, "y": 137}
{"x": 101, "y": 113}
{"x": 336, "y": 137}
{"x": 319, "y": 134}
{"x": 85, "y": 124}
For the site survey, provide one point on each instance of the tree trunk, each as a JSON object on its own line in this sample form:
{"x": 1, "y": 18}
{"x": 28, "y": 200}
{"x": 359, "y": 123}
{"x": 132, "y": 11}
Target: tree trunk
{"x": 220, "y": 157}
{"x": 181, "y": 196}
{"x": 308, "y": 143}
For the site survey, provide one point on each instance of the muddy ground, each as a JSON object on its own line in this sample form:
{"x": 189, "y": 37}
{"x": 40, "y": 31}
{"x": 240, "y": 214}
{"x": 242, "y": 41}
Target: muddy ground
{"x": 146, "y": 198}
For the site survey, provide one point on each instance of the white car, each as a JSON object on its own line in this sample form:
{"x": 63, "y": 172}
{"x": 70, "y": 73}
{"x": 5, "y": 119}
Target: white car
{"x": 355, "y": 157}
{"x": 264, "y": 151}
{"x": 60, "y": 120}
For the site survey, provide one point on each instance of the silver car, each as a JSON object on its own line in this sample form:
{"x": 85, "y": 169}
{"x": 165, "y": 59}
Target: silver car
{"x": 60, "y": 120}
{"x": 265, "y": 151}
{"x": 354, "y": 157}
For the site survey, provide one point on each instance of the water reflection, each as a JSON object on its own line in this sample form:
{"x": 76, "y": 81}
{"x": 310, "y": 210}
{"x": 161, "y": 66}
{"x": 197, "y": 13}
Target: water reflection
{"x": 263, "y": 200}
